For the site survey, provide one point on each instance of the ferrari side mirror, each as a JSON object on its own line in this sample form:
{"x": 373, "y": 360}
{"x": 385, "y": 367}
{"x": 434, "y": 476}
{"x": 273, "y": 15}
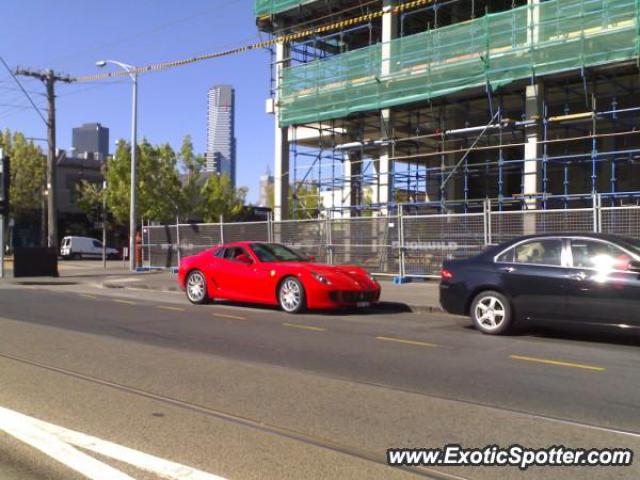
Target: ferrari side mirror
{"x": 244, "y": 259}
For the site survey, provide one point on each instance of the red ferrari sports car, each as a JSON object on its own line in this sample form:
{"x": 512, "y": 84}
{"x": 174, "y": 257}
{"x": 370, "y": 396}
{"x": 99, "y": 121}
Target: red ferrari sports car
{"x": 273, "y": 274}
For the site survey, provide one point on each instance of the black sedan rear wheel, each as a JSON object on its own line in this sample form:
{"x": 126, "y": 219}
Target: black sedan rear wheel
{"x": 491, "y": 313}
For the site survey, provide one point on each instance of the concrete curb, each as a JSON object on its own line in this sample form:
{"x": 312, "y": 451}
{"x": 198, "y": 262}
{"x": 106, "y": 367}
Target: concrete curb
{"x": 419, "y": 309}
{"x": 140, "y": 286}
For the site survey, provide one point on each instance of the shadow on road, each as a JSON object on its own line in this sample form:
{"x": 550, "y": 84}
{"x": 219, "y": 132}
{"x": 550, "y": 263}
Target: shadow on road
{"x": 382, "y": 307}
{"x": 587, "y": 333}
{"x": 575, "y": 332}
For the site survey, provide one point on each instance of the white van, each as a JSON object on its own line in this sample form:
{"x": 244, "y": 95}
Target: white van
{"x": 84, "y": 247}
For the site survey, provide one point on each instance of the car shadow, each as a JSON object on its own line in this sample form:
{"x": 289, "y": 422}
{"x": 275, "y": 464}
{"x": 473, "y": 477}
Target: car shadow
{"x": 391, "y": 308}
{"x": 588, "y": 333}
{"x": 382, "y": 307}
{"x": 578, "y": 332}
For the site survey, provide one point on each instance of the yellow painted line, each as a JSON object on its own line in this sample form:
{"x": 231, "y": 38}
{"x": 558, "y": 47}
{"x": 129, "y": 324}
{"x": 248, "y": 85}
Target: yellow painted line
{"x": 86, "y": 295}
{"x": 557, "y": 363}
{"x": 175, "y": 309}
{"x": 232, "y": 317}
{"x": 304, "y": 327}
{"x": 407, "y": 342}
{"x": 128, "y": 302}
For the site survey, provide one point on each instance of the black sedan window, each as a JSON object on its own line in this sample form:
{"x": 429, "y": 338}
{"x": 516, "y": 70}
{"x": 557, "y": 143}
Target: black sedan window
{"x": 506, "y": 257}
{"x": 540, "y": 252}
{"x": 599, "y": 255}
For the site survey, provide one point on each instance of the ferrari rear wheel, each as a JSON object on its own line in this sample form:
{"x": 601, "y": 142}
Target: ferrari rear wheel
{"x": 197, "y": 288}
{"x": 291, "y": 295}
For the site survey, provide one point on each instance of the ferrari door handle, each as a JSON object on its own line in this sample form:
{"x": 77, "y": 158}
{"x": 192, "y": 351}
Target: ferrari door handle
{"x": 580, "y": 276}
{"x": 509, "y": 269}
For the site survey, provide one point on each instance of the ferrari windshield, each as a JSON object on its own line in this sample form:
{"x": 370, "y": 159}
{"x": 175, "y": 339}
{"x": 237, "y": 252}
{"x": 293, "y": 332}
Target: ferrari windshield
{"x": 273, "y": 252}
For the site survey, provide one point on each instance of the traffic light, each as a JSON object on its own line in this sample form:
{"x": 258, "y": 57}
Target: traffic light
{"x": 4, "y": 184}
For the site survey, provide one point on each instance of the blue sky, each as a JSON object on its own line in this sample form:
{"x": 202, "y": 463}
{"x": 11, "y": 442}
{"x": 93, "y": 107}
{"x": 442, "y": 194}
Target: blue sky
{"x": 70, "y": 35}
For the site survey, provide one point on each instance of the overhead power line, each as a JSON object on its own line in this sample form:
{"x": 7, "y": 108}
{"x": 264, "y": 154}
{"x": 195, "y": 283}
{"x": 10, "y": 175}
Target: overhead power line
{"x": 146, "y": 33}
{"x": 156, "y": 67}
{"x": 33, "y": 104}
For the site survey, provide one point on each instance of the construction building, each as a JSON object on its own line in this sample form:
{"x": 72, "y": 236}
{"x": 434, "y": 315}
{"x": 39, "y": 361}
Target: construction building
{"x": 444, "y": 104}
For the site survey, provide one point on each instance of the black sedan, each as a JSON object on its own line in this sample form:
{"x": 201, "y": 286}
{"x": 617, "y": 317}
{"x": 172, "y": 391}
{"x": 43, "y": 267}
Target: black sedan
{"x": 588, "y": 278}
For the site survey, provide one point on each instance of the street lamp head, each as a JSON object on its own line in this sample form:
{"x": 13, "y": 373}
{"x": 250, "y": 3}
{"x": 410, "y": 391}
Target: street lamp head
{"x": 101, "y": 63}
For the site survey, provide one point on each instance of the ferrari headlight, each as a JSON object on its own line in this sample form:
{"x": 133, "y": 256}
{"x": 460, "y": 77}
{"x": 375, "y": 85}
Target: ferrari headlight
{"x": 372, "y": 278}
{"x": 322, "y": 279}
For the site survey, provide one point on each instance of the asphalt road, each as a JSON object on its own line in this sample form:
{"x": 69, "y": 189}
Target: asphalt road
{"x": 247, "y": 392}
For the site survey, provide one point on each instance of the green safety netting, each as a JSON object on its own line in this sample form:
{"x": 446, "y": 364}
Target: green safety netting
{"x": 268, "y": 7}
{"x": 494, "y": 50}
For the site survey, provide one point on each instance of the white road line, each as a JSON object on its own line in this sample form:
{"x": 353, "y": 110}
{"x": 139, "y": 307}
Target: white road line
{"x": 19, "y": 426}
{"x": 56, "y": 442}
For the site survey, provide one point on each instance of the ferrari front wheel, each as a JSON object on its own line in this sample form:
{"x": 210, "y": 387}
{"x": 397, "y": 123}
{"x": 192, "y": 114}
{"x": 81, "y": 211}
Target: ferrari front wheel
{"x": 291, "y": 295}
{"x": 197, "y": 288}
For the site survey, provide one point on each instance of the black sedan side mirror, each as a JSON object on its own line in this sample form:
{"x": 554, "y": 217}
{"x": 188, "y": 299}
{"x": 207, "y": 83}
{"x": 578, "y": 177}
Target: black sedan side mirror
{"x": 634, "y": 266}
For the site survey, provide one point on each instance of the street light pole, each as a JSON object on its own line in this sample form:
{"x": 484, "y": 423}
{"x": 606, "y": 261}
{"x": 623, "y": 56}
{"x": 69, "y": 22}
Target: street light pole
{"x": 104, "y": 224}
{"x": 131, "y": 70}
{"x": 134, "y": 143}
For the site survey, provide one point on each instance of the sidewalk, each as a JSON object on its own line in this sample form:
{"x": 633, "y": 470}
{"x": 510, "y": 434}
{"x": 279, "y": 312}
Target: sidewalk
{"x": 419, "y": 297}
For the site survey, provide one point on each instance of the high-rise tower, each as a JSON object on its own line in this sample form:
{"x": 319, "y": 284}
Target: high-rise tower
{"x": 221, "y": 141}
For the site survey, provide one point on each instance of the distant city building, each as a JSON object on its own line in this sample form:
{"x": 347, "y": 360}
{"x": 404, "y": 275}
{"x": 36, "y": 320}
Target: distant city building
{"x": 266, "y": 189}
{"x": 91, "y": 139}
{"x": 221, "y": 141}
{"x": 71, "y": 172}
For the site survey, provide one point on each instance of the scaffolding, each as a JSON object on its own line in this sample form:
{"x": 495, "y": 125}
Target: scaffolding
{"x": 459, "y": 122}
{"x": 491, "y": 51}
{"x": 271, "y": 7}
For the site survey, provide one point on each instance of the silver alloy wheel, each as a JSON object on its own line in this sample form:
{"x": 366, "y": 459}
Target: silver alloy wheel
{"x": 290, "y": 295}
{"x": 196, "y": 287}
{"x": 490, "y": 313}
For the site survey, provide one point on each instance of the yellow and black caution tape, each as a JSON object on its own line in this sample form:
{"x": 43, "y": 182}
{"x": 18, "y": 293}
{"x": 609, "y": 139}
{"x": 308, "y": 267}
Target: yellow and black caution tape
{"x": 156, "y": 67}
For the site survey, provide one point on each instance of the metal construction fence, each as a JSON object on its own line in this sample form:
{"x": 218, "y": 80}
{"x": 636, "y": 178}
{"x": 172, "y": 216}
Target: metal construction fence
{"x": 397, "y": 243}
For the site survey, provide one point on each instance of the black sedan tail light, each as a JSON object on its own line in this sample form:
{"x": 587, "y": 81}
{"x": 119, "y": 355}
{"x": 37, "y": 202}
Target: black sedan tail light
{"x": 446, "y": 274}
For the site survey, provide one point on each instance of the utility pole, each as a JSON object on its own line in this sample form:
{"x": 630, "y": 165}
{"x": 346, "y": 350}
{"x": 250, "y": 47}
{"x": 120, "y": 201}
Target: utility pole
{"x": 4, "y": 203}
{"x": 49, "y": 78}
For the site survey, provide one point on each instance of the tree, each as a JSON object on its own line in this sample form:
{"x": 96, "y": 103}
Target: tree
{"x": 90, "y": 196}
{"x": 306, "y": 199}
{"x": 192, "y": 183}
{"x": 118, "y": 176}
{"x": 161, "y": 195}
{"x": 158, "y": 183}
{"x": 220, "y": 198}
{"x": 28, "y": 172}
{"x": 307, "y": 204}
